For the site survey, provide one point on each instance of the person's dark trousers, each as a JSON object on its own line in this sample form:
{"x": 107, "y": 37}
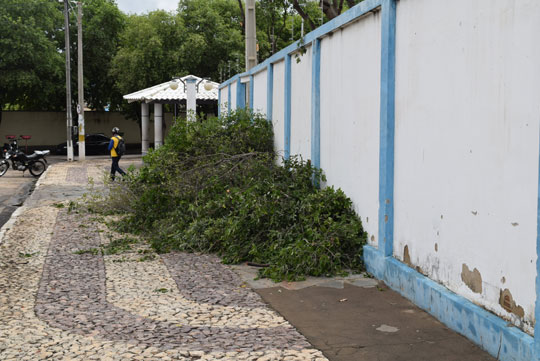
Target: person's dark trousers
{"x": 116, "y": 168}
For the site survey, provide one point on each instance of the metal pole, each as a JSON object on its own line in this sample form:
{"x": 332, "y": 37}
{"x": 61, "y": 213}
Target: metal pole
{"x": 68, "y": 86}
{"x": 80, "y": 107}
{"x": 251, "y": 35}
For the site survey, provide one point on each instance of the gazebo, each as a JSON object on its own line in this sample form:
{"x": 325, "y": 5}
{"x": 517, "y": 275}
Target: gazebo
{"x": 186, "y": 90}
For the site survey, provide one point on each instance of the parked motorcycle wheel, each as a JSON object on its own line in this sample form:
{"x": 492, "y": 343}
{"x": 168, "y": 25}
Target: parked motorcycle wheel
{"x": 4, "y": 166}
{"x": 37, "y": 168}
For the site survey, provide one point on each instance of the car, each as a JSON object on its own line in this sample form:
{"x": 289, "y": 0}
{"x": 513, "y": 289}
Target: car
{"x": 95, "y": 144}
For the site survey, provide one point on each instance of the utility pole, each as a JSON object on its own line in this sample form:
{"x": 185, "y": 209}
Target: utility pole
{"x": 251, "y": 35}
{"x": 68, "y": 87}
{"x": 80, "y": 106}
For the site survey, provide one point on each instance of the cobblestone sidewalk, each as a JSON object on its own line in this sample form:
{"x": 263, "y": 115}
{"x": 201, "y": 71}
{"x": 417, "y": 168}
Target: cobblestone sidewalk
{"x": 61, "y": 301}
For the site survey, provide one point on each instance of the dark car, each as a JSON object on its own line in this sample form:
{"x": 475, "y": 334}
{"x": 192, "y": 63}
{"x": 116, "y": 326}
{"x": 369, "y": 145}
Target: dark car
{"x": 95, "y": 144}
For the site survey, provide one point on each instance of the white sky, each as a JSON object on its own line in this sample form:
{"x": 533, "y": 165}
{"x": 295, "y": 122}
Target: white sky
{"x": 144, "y": 6}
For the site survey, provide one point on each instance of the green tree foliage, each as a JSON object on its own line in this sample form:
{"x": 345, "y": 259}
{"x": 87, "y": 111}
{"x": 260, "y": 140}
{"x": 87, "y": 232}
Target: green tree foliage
{"x": 31, "y": 67}
{"x": 273, "y": 29}
{"x": 214, "y": 36}
{"x": 331, "y": 8}
{"x": 32, "y": 57}
{"x": 150, "y": 51}
{"x": 102, "y": 24}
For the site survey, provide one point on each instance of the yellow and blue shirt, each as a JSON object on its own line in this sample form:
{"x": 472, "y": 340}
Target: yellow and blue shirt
{"x": 113, "y": 144}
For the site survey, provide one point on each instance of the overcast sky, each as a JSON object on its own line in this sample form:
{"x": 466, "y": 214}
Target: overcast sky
{"x": 144, "y": 6}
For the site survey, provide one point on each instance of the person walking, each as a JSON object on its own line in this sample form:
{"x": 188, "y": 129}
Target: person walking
{"x": 117, "y": 148}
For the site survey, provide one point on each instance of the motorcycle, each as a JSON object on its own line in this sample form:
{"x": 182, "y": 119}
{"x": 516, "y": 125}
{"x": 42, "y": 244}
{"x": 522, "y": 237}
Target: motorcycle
{"x": 35, "y": 163}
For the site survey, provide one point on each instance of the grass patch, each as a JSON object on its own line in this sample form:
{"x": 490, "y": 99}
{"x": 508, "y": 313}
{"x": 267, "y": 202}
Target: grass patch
{"x": 92, "y": 251}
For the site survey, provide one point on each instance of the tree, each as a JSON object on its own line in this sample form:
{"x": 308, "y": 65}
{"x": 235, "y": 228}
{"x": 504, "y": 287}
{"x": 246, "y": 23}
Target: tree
{"x": 275, "y": 18}
{"x": 273, "y": 33}
{"x": 31, "y": 66}
{"x": 32, "y": 58}
{"x": 330, "y": 8}
{"x": 150, "y": 51}
{"x": 102, "y": 24}
{"x": 214, "y": 36}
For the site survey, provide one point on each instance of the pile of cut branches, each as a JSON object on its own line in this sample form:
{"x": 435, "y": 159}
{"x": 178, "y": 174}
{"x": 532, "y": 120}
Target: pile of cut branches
{"x": 217, "y": 186}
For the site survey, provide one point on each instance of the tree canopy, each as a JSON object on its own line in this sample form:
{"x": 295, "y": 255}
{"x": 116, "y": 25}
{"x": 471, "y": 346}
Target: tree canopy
{"x": 31, "y": 65}
{"x": 103, "y": 23}
{"x": 125, "y": 53}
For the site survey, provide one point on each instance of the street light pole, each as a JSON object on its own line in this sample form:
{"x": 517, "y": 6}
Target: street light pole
{"x": 80, "y": 107}
{"x": 68, "y": 86}
{"x": 251, "y": 35}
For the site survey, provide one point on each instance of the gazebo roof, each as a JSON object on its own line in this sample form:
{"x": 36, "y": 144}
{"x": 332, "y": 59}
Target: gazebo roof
{"x": 162, "y": 93}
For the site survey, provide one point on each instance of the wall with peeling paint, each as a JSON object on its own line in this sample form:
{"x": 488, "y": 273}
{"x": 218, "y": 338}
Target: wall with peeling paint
{"x": 350, "y": 86}
{"x": 456, "y": 164}
{"x": 466, "y": 148}
{"x": 259, "y": 90}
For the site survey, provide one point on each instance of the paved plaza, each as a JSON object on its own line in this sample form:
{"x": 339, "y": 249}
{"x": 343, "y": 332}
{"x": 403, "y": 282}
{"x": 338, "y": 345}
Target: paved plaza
{"x": 58, "y": 302}
{"x": 62, "y": 299}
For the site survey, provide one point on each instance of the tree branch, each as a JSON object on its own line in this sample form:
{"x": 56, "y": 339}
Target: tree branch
{"x": 329, "y": 9}
{"x": 303, "y": 14}
{"x": 243, "y": 17}
{"x": 340, "y": 6}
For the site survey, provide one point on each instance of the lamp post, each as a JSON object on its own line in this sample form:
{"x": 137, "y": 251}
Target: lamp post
{"x": 80, "y": 107}
{"x": 69, "y": 120}
{"x": 191, "y": 88}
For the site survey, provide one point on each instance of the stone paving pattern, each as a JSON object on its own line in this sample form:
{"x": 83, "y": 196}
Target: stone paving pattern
{"x": 57, "y": 304}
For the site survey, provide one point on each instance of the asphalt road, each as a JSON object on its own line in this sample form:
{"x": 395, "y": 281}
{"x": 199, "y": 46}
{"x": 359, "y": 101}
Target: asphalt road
{"x": 16, "y": 186}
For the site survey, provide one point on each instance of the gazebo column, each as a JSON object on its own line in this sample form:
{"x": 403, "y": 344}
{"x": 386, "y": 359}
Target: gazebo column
{"x": 145, "y": 127}
{"x": 158, "y": 125}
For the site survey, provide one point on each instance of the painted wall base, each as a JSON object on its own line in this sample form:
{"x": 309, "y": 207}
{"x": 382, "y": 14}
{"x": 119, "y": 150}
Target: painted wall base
{"x": 492, "y": 333}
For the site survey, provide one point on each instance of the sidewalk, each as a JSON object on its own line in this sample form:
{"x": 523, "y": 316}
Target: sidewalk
{"x": 61, "y": 300}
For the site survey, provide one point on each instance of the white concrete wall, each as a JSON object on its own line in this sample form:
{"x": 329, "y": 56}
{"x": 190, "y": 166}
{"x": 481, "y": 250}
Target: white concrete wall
{"x": 278, "y": 108}
{"x": 466, "y": 139}
{"x": 350, "y": 86}
{"x": 260, "y": 82}
{"x": 233, "y": 95}
{"x": 466, "y": 156}
{"x": 301, "y": 104}
{"x": 224, "y": 100}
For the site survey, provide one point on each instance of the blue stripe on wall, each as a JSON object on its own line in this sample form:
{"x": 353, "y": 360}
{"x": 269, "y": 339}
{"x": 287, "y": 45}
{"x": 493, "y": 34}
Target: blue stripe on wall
{"x": 287, "y": 118}
{"x": 251, "y": 91}
{"x": 240, "y": 95}
{"x": 387, "y": 127}
{"x": 229, "y": 99}
{"x": 219, "y": 103}
{"x": 316, "y": 104}
{"x": 269, "y": 91}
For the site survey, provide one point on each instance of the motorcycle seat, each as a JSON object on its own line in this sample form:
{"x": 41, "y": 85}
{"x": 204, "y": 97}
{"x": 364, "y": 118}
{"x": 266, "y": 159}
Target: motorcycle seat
{"x": 42, "y": 152}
